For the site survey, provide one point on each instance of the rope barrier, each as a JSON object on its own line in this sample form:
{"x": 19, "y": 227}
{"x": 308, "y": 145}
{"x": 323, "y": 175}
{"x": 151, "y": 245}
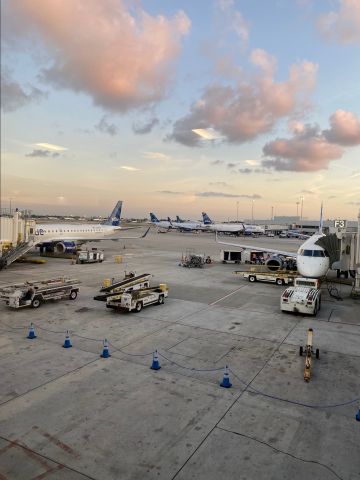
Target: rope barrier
{"x": 250, "y": 388}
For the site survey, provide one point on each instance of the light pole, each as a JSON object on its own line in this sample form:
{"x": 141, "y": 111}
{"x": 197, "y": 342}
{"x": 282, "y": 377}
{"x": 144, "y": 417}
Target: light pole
{"x": 297, "y": 210}
{"x": 272, "y": 213}
{"x": 237, "y": 211}
{"x": 10, "y": 204}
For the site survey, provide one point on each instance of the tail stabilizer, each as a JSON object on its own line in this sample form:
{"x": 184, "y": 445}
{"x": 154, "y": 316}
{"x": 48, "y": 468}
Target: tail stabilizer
{"x": 321, "y": 219}
{"x": 153, "y": 218}
{"x": 178, "y": 219}
{"x": 169, "y": 220}
{"x": 206, "y": 219}
{"x": 114, "y": 218}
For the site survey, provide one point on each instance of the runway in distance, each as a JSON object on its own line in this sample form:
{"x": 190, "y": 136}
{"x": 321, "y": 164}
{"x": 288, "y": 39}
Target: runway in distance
{"x": 62, "y": 237}
{"x": 312, "y": 260}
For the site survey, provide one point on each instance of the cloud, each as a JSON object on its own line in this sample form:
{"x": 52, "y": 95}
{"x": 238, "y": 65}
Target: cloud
{"x": 251, "y": 162}
{"x": 14, "y": 96}
{"x": 311, "y": 149}
{"x": 206, "y": 133}
{"x": 246, "y": 171}
{"x": 51, "y": 147}
{"x": 241, "y": 112}
{"x": 219, "y": 184}
{"x": 342, "y": 25}
{"x": 170, "y": 192}
{"x": 42, "y": 154}
{"x": 121, "y": 56}
{"x": 226, "y": 195}
{"x": 235, "y": 21}
{"x": 354, "y": 203}
{"x": 141, "y": 129}
{"x": 308, "y": 192}
{"x": 127, "y": 168}
{"x": 156, "y": 156}
{"x": 105, "y": 127}
{"x": 231, "y": 165}
{"x": 217, "y": 162}
{"x": 345, "y": 128}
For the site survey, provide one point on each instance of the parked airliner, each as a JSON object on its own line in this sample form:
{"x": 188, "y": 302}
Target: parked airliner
{"x": 160, "y": 223}
{"x": 186, "y": 226}
{"x": 312, "y": 260}
{"x": 234, "y": 228}
{"x": 63, "y": 237}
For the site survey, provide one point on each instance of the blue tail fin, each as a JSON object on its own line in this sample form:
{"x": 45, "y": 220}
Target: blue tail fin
{"x": 153, "y": 218}
{"x": 114, "y": 218}
{"x": 321, "y": 219}
{"x": 178, "y": 219}
{"x": 206, "y": 219}
{"x": 169, "y": 220}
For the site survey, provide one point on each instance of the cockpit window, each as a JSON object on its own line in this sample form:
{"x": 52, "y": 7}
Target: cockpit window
{"x": 313, "y": 253}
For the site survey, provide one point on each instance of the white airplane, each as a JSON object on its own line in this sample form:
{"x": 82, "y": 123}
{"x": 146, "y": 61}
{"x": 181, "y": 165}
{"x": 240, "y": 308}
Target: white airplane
{"x": 312, "y": 260}
{"x": 160, "y": 224}
{"x": 63, "y": 237}
{"x": 248, "y": 229}
{"x": 186, "y": 226}
{"x": 235, "y": 228}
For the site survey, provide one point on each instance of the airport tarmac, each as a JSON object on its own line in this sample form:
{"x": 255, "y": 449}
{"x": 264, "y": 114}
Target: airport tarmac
{"x": 69, "y": 414}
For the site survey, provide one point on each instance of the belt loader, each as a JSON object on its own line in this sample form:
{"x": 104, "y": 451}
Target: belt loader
{"x": 137, "y": 299}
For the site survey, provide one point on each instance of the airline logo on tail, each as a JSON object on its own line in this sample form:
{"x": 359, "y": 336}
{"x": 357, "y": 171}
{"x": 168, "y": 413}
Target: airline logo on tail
{"x": 206, "y": 219}
{"x": 114, "y": 218}
{"x": 153, "y": 218}
{"x": 178, "y": 219}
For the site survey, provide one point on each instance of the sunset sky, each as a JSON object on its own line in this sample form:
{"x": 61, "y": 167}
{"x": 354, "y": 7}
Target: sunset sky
{"x": 180, "y": 106}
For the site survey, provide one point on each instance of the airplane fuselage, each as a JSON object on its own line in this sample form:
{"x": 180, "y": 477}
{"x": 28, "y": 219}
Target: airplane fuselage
{"x": 224, "y": 227}
{"x": 311, "y": 259}
{"x": 68, "y": 231}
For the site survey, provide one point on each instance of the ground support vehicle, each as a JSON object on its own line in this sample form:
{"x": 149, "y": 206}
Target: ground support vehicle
{"x": 244, "y": 256}
{"x": 35, "y": 293}
{"x": 137, "y": 299}
{"x": 193, "y": 260}
{"x": 89, "y": 256}
{"x": 303, "y": 297}
{"x": 130, "y": 282}
{"x": 281, "y": 277}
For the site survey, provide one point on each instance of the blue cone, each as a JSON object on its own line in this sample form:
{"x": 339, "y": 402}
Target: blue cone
{"x": 105, "y": 353}
{"x": 31, "y": 335}
{"x": 226, "y": 380}
{"x": 357, "y": 416}
{"x": 67, "y": 343}
{"x": 155, "y": 362}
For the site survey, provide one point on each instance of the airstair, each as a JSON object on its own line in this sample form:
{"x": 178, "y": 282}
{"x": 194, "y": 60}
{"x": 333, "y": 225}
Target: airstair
{"x": 15, "y": 253}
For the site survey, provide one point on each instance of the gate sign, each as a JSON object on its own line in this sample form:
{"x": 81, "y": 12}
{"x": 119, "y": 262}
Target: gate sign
{"x": 340, "y": 223}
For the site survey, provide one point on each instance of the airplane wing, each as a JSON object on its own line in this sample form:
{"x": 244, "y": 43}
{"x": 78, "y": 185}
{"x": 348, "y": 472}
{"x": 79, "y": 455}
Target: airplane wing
{"x": 115, "y": 239}
{"x": 257, "y": 249}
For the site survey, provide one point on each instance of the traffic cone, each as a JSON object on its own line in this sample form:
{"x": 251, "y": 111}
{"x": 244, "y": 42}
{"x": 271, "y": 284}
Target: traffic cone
{"x": 155, "y": 362}
{"x": 105, "y": 353}
{"x": 226, "y": 380}
{"x": 31, "y": 335}
{"x": 357, "y": 416}
{"x": 67, "y": 343}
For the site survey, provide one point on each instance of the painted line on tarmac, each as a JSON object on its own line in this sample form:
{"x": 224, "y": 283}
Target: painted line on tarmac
{"x": 226, "y": 296}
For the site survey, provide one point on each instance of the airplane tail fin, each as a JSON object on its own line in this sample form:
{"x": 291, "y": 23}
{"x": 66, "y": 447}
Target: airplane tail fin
{"x": 178, "y": 219}
{"x": 114, "y": 218}
{"x": 206, "y": 219}
{"x": 321, "y": 219}
{"x": 153, "y": 218}
{"x": 169, "y": 220}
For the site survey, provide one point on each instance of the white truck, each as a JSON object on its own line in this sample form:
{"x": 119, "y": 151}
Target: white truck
{"x": 35, "y": 293}
{"x": 90, "y": 256}
{"x": 303, "y": 297}
{"x": 137, "y": 299}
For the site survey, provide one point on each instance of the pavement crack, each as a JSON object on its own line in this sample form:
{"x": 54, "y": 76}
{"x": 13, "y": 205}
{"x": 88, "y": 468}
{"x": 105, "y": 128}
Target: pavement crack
{"x": 323, "y": 465}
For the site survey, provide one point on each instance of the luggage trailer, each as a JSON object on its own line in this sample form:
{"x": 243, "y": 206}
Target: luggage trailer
{"x": 35, "y": 293}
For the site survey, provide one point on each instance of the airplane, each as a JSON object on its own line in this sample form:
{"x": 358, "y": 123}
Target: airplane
{"x": 160, "y": 223}
{"x": 249, "y": 229}
{"x": 234, "y": 228}
{"x": 312, "y": 260}
{"x": 63, "y": 237}
{"x": 185, "y": 226}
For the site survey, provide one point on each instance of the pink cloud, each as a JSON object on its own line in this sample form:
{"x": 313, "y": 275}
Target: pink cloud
{"x": 311, "y": 149}
{"x": 345, "y": 128}
{"x": 122, "y": 58}
{"x": 252, "y": 107}
{"x": 342, "y": 25}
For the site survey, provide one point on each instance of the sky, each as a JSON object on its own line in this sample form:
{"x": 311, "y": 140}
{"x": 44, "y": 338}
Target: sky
{"x": 180, "y": 107}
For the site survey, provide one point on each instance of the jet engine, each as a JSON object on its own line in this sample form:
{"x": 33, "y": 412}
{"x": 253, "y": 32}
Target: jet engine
{"x": 274, "y": 263}
{"x": 65, "y": 247}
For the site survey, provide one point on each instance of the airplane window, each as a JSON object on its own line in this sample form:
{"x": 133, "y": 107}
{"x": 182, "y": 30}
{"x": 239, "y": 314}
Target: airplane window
{"x": 318, "y": 253}
{"x": 307, "y": 253}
